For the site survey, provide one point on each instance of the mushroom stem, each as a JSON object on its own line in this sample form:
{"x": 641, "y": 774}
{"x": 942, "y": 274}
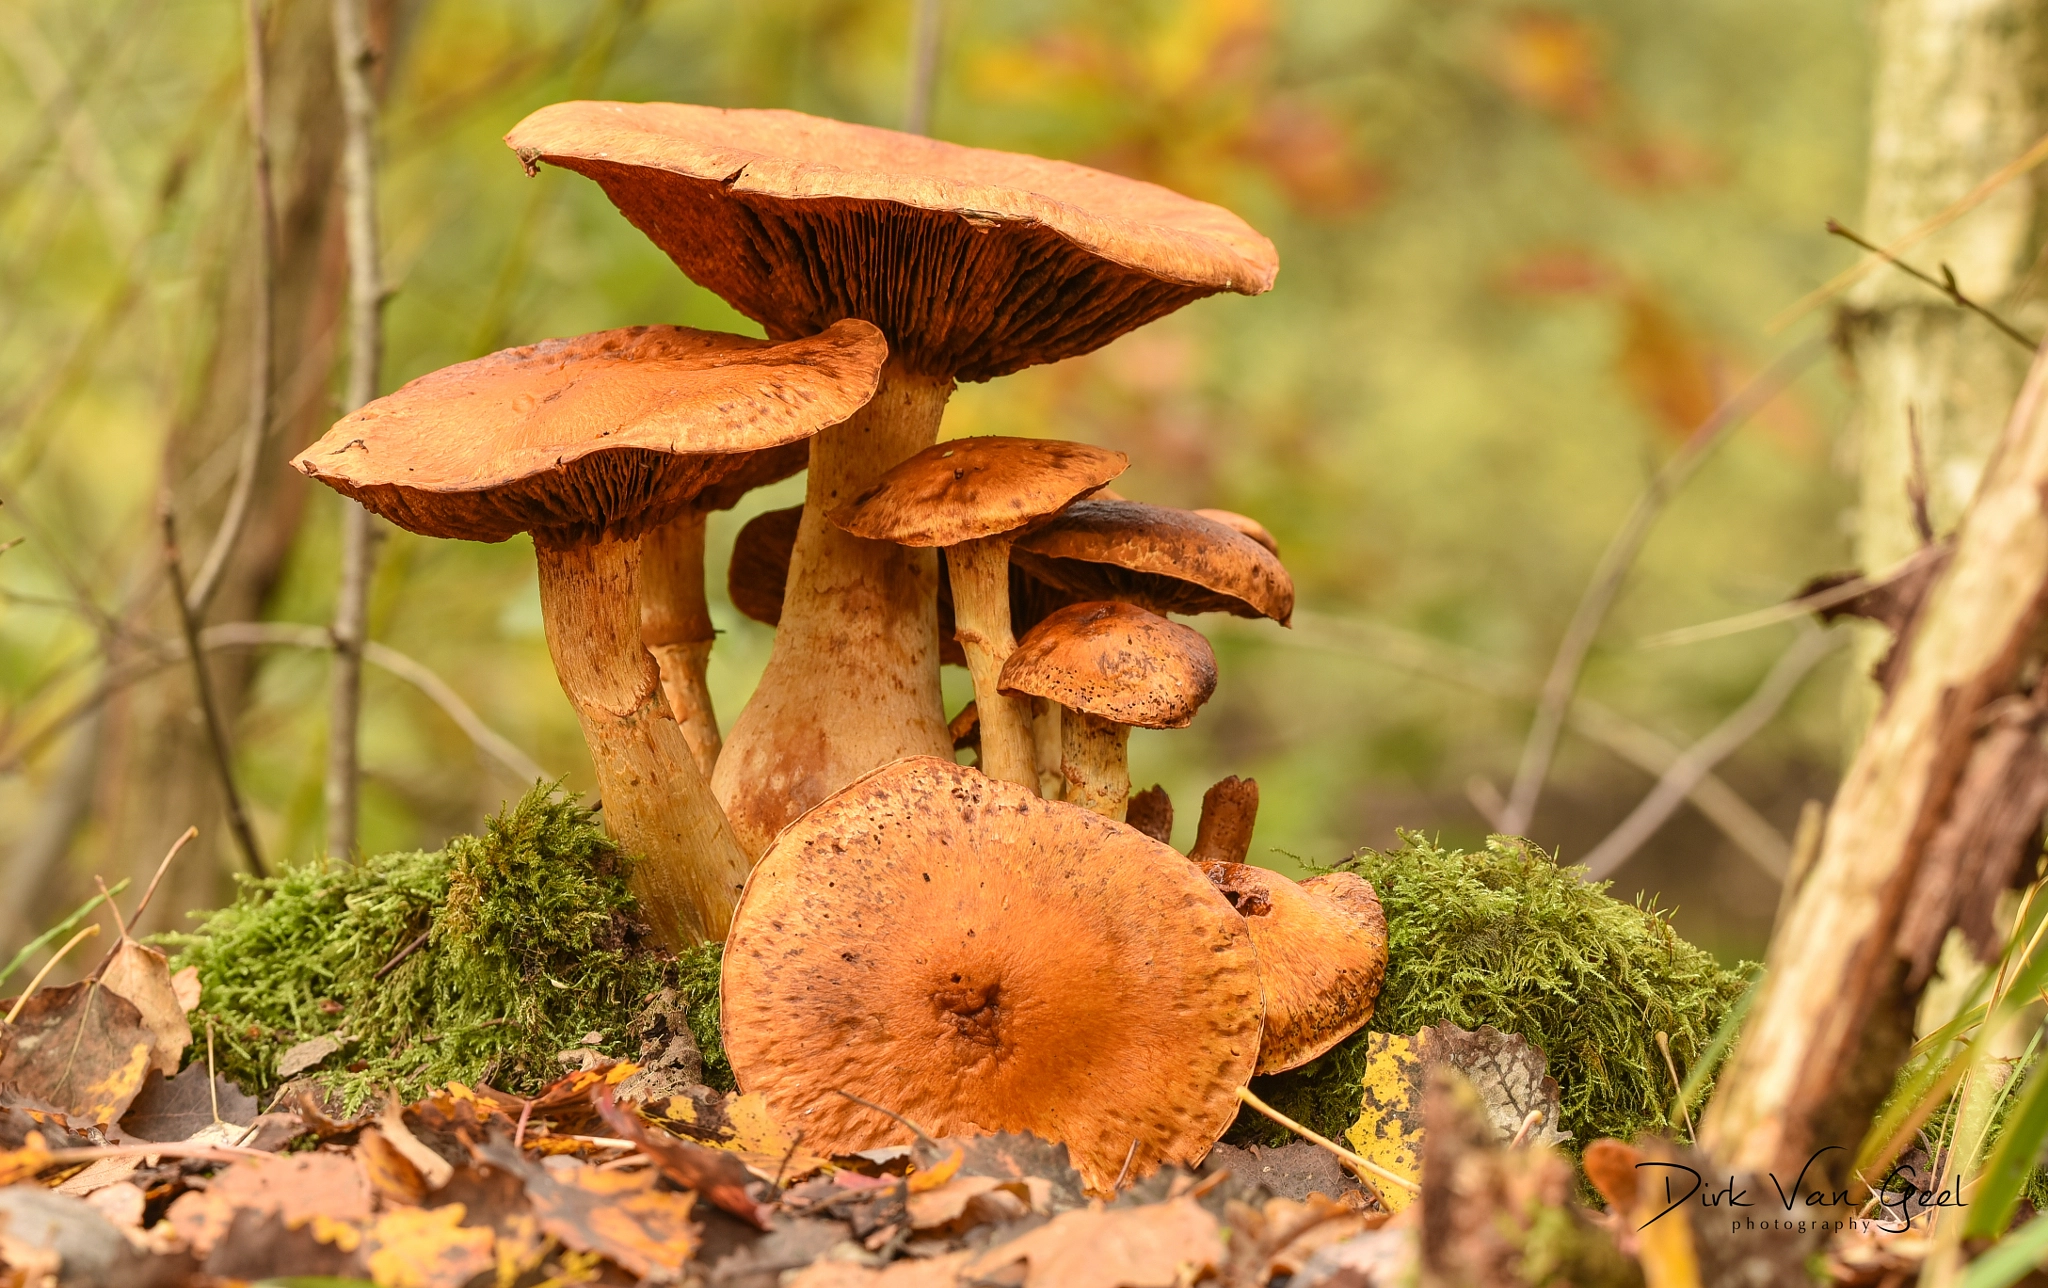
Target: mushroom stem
{"x": 675, "y": 625}
{"x": 853, "y": 681}
{"x": 1045, "y": 738}
{"x": 981, "y": 612}
{"x": 1092, "y": 761}
{"x": 657, "y": 805}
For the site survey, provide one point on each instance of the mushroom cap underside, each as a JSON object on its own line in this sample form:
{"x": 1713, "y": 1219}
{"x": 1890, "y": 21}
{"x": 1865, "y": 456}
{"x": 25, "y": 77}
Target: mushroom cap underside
{"x": 980, "y": 960}
{"x": 1116, "y": 661}
{"x": 1322, "y": 956}
{"x": 967, "y": 488}
{"x": 609, "y": 432}
{"x": 1171, "y": 561}
{"x": 973, "y": 262}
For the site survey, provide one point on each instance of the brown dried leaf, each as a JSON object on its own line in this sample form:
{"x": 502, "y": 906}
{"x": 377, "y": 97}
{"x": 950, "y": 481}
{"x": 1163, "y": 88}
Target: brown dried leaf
{"x": 427, "y": 1248}
{"x": 389, "y": 1172}
{"x": 81, "y": 1048}
{"x": 23, "y": 1164}
{"x": 717, "y": 1175}
{"x": 141, "y": 974}
{"x": 1153, "y": 1246}
{"x": 967, "y": 1201}
{"x": 296, "y": 1188}
{"x": 617, "y": 1215}
{"x": 185, "y": 986}
{"x": 168, "y": 1109}
{"x": 740, "y": 1124}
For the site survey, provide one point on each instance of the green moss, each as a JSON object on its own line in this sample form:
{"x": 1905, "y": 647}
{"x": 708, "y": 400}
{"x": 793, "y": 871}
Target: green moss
{"x": 697, "y": 980}
{"x": 1505, "y": 937}
{"x": 530, "y": 945}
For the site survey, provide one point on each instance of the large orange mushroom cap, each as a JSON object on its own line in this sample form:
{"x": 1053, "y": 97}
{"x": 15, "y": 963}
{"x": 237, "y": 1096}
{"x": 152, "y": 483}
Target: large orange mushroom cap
{"x": 979, "y": 960}
{"x": 969, "y": 488}
{"x": 973, "y": 262}
{"x": 1322, "y": 956}
{"x": 605, "y": 433}
{"x": 1116, "y": 661}
{"x": 1171, "y": 561}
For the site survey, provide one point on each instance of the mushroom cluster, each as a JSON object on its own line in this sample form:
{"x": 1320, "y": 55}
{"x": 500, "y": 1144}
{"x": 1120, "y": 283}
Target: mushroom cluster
{"x": 1006, "y": 945}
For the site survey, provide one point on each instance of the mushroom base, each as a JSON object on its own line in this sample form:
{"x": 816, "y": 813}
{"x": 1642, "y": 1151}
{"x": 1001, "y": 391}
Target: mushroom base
{"x": 1093, "y": 762}
{"x": 853, "y": 681}
{"x": 981, "y": 611}
{"x": 657, "y": 804}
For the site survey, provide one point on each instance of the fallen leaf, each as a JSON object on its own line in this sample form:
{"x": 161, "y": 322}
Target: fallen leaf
{"x": 306, "y": 1055}
{"x": 719, "y": 1176}
{"x": 1156, "y": 1245}
{"x": 98, "y": 1175}
{"x": 427, "y": 1248}
{"x": 1019, "y": 1156}
{"x": 938, "y": 1272}
{"x": 618, "y": 1215}
{"x": 968, "y": 1201}
{"x": 22, "y": 1164}
{"x": 81, "y": 1048}
{"x": 168, "y": 1109}
{"x": 143, "y": 976}
{"x": 741, "y": 1124}
{"x": 433, "y": 1169}
{"x": 122, "y": 1203}
{"x": 74, "y": 1244}
{"x": 295, "y": 1188}
{"x": 388, "y": 1171}
{"x": 931, "y": 1178}
{"x": 185, "y": 986}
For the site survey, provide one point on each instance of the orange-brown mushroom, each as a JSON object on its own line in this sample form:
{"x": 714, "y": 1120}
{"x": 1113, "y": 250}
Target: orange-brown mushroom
{"x": 1242, "y": 523}
{"x": 1170, "y": 561}
{"x": 974, "y": 264}
{"x": 586, "y": 443}
{"x": 1322, "y": 956}
{"x": 1110, "y": 666}
{"x": 971, "y": 497}
{"x": 978, "y": 960}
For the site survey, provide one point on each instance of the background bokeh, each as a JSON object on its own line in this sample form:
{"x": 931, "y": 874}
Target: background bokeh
{"x": 1525, "y": 250}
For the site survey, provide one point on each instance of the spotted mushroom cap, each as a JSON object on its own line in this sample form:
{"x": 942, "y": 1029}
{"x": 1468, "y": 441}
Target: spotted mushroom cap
{"x": 968, "y": 488}
{"x": 1322, "y": 956}
{"x": 974, "y": 263}
{"x": 1171, "y": 561}
{"x": 980, "y": 960}
{"x": 611, "y": 432}
{"x": 1116, "y": 661}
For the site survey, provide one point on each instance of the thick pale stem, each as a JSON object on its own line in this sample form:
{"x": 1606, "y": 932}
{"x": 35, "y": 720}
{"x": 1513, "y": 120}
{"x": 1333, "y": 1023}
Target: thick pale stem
{"x": 853, "y": 682}
{"x": 981, "y": 610}
{"x": 1093, "y": 762}
{"x": 675, "y": 624}
{"x": 1045, "y": 739}
{"x": 657, "y": 804}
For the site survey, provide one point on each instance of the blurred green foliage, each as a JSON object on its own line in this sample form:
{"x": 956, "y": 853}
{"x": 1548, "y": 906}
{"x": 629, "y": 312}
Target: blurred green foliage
{"x": 1525, "y": 247}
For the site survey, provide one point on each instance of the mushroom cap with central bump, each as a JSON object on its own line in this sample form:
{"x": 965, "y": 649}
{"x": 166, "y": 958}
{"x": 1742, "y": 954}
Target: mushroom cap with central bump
{"x": 974, "y": 263}
{"x": 1322, "y": 956}
{"x": 1116, "y": 661}
{"x": 969, "y": 488}
{"x": 1172, "y": 561}
{"x": 978, "y": 960}
{"x": 608, "y": 433}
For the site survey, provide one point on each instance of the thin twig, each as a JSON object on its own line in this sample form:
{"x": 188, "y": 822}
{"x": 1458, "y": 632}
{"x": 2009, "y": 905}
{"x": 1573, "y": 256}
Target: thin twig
{"x": 1530, "y": 1122}
{"x": 915, "y": 1130}
{"x": 1613, "y": 570}
{"x": 1740, "y": 726}
{"x": 1946, "y": 284}
{"x": 1123, "y": 1173}
{"x": 1791, "y": 609}
{"x": 355, "y": 60}
{"x": 120, "y": 926}
{"x": 1358, "y": 1163}
{"x": 402, "y": 954}
{"x": 1677, "y": 1083}
{"x": 57, "y": 931}
{"x": 926, "y": 22}
{"x": 256, "y": 428}
{"x": 202, "y": 681}
{"x": 184, "y": 839}
{"x": 14, "y": 1012}
{"x": 212, "y": 1087}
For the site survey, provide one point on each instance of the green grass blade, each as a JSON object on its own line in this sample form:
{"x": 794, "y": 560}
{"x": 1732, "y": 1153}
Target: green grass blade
{"x": 60, "y": 930}
{"x": 1710, "y": 1058}
{"x": 2011, "y": 1259}
{"x": 2012, "y": 1160}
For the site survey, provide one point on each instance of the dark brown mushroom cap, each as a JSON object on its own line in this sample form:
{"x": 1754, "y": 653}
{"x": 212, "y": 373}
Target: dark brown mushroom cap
{"x": 1171, "y": 561}
{"x": 974, "y": 263}
{"x": 1116, "y": 661}
{"x": 611, "y": 432}
{"x": 976, "y": 487}
{"x": 1322, "y": 956}
{"x": 979, "y": 960}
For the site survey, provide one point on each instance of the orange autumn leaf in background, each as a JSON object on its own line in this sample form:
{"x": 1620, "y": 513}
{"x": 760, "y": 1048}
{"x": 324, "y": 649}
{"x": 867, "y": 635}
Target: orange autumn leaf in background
{"x": 1666, "y": 366}
{"x": 1551, "y": 62}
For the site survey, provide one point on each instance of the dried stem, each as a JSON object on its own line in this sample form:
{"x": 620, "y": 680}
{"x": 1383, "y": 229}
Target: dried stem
{"x": 925, "y": 30}
{"x": 1947, "y": 285}
{"x": 1613, "y": 570}
{"x": 355, "y": 60}
{"x": 202, "y": 683}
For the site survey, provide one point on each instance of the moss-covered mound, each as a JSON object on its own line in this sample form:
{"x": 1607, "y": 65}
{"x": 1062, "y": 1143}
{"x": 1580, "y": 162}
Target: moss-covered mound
{"x": 529, "y": 945}
{"x": 1503, "y": 936}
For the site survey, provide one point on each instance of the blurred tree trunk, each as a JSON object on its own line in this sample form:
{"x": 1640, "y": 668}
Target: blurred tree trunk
{"x": 156, "y": 775}
{"x": 1959, "y": 91}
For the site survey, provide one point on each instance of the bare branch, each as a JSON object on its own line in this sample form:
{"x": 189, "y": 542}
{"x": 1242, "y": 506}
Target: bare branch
{"x": 926, "y": 23}
{"x": 1947, "y": 285}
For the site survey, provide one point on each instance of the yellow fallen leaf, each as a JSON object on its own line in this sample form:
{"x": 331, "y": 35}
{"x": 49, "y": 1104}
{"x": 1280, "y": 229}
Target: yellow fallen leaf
{"x": 427, "y": 1248}
{"x": 931, "y": 1178}
{"x": 1389, "y": 1127}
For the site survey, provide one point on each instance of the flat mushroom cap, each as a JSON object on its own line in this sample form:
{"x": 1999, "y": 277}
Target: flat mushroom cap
{"x": 979, "y": 960}
{"x": 974, "y": 263}
{"x": 1116, "y": 661}
{"x": 1242, "y": 523}
{"x": 1172, "y": 561}
{"x": 610, "y": 432}
{"x": 1322, "y": 956}
{"x": 968, "y": 488}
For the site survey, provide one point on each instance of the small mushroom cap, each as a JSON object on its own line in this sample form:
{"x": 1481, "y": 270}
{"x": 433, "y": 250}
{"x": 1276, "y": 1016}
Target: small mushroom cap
{"x": 611, "y": 432}
{"x": 977, "y": 487}
{"x": 979, "y": 960}
{"x": 1242, "y": 523}
{"x": 973, "y": 262}
{"x": 1116, "y": 661}
{"x": 1172, "y": 561}
{"x": 1322, "y": 956}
